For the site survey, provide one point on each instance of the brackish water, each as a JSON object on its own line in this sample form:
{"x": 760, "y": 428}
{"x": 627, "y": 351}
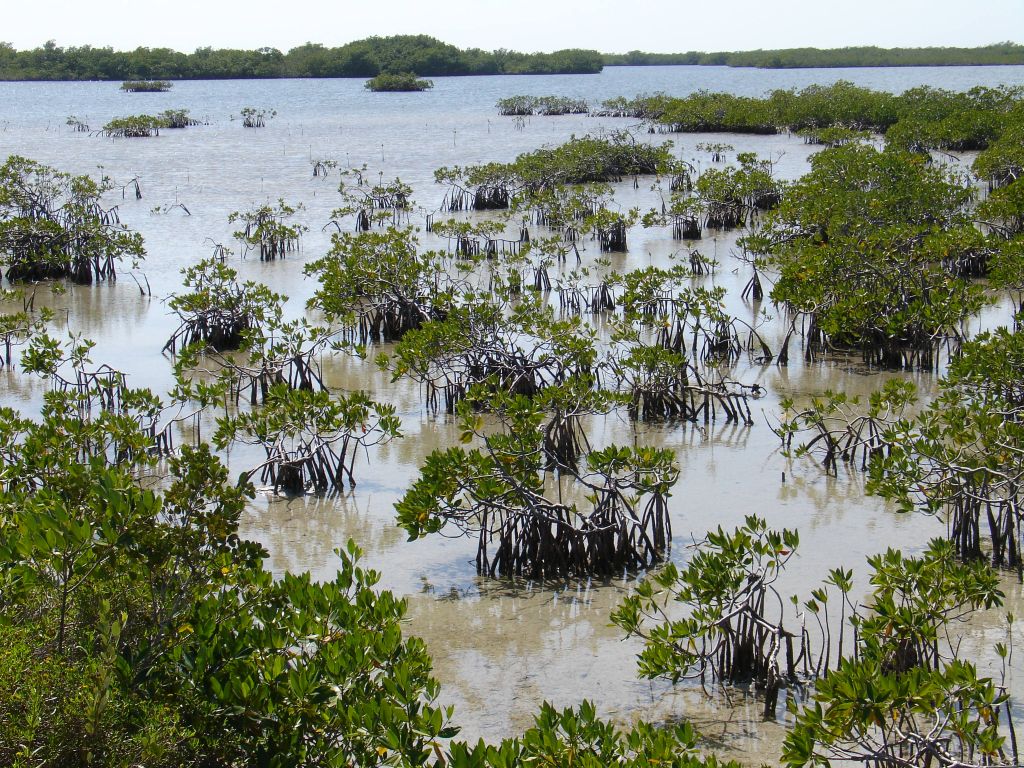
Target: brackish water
{"x": 500, "y": 647}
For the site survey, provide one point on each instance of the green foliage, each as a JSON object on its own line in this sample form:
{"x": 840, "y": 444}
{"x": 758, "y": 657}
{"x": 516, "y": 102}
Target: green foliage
{"x": 135, "y": 127}
{"x": 521, "y": 351}
{"x": 497, "y": 492}
{"x": 578, "y": 161}
{"x": 311, "y": 438}
{"x": 139, "y": 627}
{"x": 218, "y": 312}
{"x": 257, "y": 117}
{"x": 52, "y": 225}
{"x": 862, "y": 244}
{"x": 312, "y": 674}
{"x": 960, "y": 456}
{"x": 918, "y": 120}
{"x": 379, "y": 286}
{"x": 851, "y": 56}
{"x": 914, "y": 599}
{"x": 398, "y": 81}
{"x": 1003, "y": 161}
{"x": 360, "y": 58}
{"x": 267, "y": 229}
{"x": 541, "y": 105}
{"x": 146, "y": 86}
{"x": 904, "y": 695}
{"x": 177, "y": 118}
{"x": 900, "y": 693}
{"x": 576, "y": 736}
{"x": 864, "y": 713}
{"x": 18, "y": 327}
{"x": 732, "y": 631}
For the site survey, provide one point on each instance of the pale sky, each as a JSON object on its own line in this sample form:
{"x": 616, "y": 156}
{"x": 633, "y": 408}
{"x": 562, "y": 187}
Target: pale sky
{"x": 612, "y": 26}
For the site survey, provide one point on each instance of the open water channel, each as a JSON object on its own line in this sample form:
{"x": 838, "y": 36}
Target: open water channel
{"x": 500, "y": 648}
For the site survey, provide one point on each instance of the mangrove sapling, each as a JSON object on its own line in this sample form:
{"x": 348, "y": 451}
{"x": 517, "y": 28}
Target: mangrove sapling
{"x": 177, "y": 118}
{"x": 135, "y": 186}
{"x": 1003, "y": 210}
{"x": 520, "y": 349}
{"x": 734, "y": 631}
{"x": 134, "y": 127}
{"x": 833, "y": 136}
{"x": 487, "y": 187}
{"x": 1002, "y": 162}
{"x": 578, "y": 161}
{"x": 322, "y": 167}
{"x": 52, "y": 225}
{"x": 1007, "y": 272}
{"x": 609, "y": 227}
{"x": 961, "y": 457}
{"x": 717, "y": 150}
{"x": 731, "y": 197}
{"x": 384, "y": 205}
{"x": 77, "y": 124}
{"x": 576, "y": 736}
{"x": 732, "y": 627}
{"x": 645, "y": 107}
{"x": 842, "y": 429}
{"x": 378, "y": 285}
{"x": 277, "y": 354}
{"x": 399, "y": 81}
{"x": 109, "y": 421}
{"x": 257, "y": 117}
{"x": 958, "y": 458}
{"x": 19, "y": 327}
{"x": 576, "y": 296}
{"x": 497, "y": 492}
{"x": 311, "y": 437}
{"x": 662, "y": 385}
{"x": 172, "y": 207}
{"x": 218, "y": 312}
{"x": 541, "y": 105}
{"x": 471, "y": 239}
{"x": 683, "y": 212}
{"x": 267, "y": 229}
{"x": 753, "y": 288}
{"x": 146, "y": 86}
{"x": 688, "y": 319}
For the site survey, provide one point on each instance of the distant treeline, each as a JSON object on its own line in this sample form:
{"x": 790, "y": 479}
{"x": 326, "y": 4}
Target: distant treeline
{"x": 421, "y": 54}
{"x": 426, "y": 56}
{"x": 864, "y": 56}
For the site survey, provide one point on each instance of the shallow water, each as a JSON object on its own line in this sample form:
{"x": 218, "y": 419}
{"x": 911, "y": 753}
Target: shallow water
{"x": 500, "y": 647}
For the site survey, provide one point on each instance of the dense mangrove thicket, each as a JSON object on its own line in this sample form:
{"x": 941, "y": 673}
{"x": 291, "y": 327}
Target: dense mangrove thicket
{"x": 530, "y": 181}
{"x": 431, "y": 57}
{"x": 854, "y": 56}
{"x": 361, "y": 58}
{"x": 919, "y": 119}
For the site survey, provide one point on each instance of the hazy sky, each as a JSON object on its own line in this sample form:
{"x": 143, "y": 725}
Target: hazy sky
{"x": 524, "y": 25}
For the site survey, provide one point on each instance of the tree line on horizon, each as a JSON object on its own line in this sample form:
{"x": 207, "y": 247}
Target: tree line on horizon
{"x": 858, "y": 56}
{"x": 427, "y": 56}
{"x": 421, "y": 54}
